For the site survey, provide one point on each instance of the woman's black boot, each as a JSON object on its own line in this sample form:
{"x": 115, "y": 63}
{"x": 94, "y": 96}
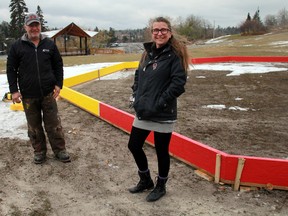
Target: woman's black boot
{"x": 159, "y": 191}
{"x": 145, "y": 183}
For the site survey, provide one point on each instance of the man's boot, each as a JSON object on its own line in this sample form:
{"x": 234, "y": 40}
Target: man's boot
{"x": 159, "y": 190}
{"x": 145, "y": 183}
{"x": 39, "y": 157}
{"x": 63, "y": 156}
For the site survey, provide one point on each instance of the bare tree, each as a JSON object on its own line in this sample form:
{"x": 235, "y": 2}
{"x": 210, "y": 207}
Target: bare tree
{"x": 270, "y": 21}
{"x": 195, "y": 28}
{"x": 283, "y": 18}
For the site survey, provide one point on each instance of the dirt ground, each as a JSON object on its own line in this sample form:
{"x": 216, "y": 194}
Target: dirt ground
{"x": 102, "y": 168}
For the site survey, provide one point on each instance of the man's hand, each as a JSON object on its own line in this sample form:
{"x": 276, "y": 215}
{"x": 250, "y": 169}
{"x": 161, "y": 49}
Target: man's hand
{"x": 16, "y": 97}
{"x": 131, "y": 101}
{"x": 56, "y": 91}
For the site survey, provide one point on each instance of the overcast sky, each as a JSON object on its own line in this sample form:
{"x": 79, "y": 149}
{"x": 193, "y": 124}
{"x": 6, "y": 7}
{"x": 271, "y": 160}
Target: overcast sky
{"x": 134, "y": 14}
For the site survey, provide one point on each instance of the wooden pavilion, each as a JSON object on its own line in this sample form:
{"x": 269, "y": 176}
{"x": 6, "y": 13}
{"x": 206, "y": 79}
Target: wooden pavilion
{"x": 71, "y": 30}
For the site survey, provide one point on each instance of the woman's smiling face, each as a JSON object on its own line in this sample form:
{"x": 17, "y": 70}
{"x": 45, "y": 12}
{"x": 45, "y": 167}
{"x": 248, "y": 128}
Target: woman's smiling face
{"x": 160, "y": 33}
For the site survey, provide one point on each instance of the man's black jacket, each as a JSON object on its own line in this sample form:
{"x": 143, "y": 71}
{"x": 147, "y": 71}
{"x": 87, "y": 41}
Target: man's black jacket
{"x": 34, "y": 70}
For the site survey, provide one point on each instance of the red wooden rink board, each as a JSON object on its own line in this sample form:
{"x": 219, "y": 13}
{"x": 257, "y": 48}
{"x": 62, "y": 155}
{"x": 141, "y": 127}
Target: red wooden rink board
{"x": 119, "y": 119}
{"x": 239, "y": 59}
{"x": 257, "y": 171}
{"x": 193, "y": 152}
{"x": 265, "y": 171}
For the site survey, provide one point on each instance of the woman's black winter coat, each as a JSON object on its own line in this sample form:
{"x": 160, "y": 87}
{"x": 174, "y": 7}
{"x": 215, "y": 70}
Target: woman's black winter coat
{"x": 157, "y": 84}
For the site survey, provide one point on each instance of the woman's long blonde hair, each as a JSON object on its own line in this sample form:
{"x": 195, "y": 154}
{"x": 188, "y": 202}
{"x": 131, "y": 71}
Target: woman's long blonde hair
{"x": 178, "y": 46}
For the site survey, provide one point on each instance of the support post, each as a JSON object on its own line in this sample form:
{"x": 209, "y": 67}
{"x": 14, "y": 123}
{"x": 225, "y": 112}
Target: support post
{"x": 217, "y": 168}
{"x": 240, "y": 166}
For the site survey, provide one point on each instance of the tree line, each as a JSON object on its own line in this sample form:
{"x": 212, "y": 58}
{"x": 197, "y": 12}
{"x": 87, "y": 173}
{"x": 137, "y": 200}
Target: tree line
{"x": 190, "y": 29}
{"x": 255, "y": 26}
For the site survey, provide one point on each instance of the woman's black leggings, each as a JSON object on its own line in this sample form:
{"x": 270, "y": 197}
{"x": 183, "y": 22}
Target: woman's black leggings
{"x": 161, "y": 141}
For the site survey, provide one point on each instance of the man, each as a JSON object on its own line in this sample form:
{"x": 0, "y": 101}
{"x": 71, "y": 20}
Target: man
{"x": 35, "y": 76}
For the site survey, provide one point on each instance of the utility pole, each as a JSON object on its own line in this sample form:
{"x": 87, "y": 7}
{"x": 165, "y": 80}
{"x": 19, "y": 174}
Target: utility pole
{"x": 214, "y": 30}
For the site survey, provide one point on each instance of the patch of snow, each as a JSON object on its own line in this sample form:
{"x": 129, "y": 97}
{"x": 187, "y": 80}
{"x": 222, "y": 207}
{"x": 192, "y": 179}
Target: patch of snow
{"x": 238, "y": 99}
{"x": 238, "y": 108}
{"x": 219, "y": 107}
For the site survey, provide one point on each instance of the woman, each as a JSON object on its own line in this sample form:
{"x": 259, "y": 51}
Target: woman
{"x": 158, "y": 81}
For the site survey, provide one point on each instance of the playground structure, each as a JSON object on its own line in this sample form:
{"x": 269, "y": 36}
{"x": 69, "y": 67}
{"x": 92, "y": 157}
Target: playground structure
{"x": 237, "y": 170}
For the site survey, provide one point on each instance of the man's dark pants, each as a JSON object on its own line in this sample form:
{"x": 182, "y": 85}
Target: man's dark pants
{"x": 44, "y": 109}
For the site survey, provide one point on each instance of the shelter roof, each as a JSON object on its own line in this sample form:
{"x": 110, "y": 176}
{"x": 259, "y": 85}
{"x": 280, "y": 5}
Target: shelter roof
{"x": 72, "y": 29}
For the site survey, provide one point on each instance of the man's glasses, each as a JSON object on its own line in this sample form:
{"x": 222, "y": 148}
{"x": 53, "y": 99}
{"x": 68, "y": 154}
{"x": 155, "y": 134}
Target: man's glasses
{"x": 163, "y": 31}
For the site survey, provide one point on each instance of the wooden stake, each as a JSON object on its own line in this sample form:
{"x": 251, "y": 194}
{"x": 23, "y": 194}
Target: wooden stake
{"x": 240, "y": 167}
{"x": 217, "y": 168}
{"x": 203, "y": 175}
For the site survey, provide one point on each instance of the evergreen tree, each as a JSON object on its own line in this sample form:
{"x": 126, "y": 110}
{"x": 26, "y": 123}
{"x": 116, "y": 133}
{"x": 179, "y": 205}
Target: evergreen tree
{"x": 248, "y": 17}
{"x": 18, "y": 11}
{"x": 256, "y": 16}
{"x": 4, "y": 30}
{"x": 5, "y": 40}
{"x": 111, "y": 35}
{"x": 258, "y": 26}
{"x": 39, "y": 12}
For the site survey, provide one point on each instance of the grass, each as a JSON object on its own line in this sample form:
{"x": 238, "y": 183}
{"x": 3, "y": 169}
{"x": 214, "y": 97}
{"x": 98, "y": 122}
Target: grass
{"x": 234, "y": 45}
{"x": 98, "y": 58}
